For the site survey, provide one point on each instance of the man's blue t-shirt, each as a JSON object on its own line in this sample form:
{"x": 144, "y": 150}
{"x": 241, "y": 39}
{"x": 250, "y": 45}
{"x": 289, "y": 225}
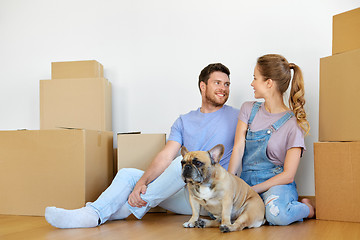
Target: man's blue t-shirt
{"x": 199, "y": 131}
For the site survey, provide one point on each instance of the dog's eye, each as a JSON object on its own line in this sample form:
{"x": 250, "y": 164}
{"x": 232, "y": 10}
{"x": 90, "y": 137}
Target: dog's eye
{"x": 197, "y": 163}
{"x": 183, "y": 162}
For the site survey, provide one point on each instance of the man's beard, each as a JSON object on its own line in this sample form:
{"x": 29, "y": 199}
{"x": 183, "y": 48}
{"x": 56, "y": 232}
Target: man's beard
{"x": 216, "y": 103}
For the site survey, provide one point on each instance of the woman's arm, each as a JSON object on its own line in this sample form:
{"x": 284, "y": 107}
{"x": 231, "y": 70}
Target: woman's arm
{"x": 238, "y": 149}
{"x": 291, "y": 164}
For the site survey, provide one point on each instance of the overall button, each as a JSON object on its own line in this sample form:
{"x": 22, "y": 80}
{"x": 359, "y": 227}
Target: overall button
{"x": 268, "y": 131}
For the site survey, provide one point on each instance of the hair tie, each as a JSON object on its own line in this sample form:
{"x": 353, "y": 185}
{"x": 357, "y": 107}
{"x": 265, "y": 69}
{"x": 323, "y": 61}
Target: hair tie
{"x": 291, "y": 65}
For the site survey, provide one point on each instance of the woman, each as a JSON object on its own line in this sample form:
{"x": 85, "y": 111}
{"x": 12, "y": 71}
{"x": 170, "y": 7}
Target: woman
{"x": 269, "y": 140}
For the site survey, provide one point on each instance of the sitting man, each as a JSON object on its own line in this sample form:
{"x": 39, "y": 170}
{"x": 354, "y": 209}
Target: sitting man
{"x": 134, "y": 191}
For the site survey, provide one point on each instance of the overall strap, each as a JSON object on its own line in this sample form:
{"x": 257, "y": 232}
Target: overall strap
{"x": 282, "y": 120}
{"x": 254, "y": 110}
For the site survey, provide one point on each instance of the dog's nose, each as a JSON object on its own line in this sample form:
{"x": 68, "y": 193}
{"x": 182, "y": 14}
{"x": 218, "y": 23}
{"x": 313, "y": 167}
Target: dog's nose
{"x": 187, "y": 167}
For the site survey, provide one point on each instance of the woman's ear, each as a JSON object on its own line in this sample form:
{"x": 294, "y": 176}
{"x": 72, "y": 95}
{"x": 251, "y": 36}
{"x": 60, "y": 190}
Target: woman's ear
{"x": 269, "y": 83}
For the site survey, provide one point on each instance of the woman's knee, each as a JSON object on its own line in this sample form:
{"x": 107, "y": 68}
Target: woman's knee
{"x": 277, "y": 213}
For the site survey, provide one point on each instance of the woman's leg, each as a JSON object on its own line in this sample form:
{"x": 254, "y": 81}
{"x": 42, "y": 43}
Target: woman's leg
{"x": 282, "y": 207}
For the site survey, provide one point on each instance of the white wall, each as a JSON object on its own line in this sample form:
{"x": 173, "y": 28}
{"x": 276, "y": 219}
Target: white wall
{"x": 153, "y": 51}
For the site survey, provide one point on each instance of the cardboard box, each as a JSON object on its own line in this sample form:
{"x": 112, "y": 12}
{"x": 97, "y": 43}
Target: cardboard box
{"x": 76, "y": 103}
{"x": 346, "y": 31}
{"x": 337, "y": 181}
{"x": 339, "y": 90}
{"x": 137, "y": 150}
{"x": 77, "y": 69}
{"x": 62, "y": 168}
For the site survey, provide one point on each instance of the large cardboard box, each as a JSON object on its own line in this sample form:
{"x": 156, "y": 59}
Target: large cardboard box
{"x": 76, "y": 103}
{"x": 137, "y": 150}
{"x": 346, "y": 31}
{"x": 77, "y": 69}
{"x": 337, "y": 181}
{"x": 339, "y": 94}
{"x": 62, "y": 168}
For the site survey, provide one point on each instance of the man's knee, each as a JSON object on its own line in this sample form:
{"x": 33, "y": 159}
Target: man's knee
{"x": 130, "y": 175}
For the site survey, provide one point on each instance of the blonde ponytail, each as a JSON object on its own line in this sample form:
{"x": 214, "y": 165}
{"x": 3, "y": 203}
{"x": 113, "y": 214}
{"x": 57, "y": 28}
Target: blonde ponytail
{"x": 297, "y": 100}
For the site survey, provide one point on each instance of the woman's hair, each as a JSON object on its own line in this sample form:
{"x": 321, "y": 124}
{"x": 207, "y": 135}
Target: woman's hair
{"x": 277, "y": 68}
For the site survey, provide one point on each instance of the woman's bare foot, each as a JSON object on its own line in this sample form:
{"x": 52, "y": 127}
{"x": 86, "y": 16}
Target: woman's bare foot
{"x": 311, "y": 206}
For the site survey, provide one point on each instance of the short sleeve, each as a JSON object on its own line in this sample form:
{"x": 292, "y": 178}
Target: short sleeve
{"x": 245, "y": 111}
{"x": 296, "y": 139}
{"x": 176, "y": 132}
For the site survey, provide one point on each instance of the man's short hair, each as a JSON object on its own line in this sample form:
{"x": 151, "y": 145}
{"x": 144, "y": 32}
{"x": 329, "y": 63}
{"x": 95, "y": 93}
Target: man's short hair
{"x": 209, "y": 69}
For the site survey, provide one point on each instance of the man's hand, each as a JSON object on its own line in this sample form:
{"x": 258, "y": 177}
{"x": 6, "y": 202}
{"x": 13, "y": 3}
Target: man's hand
{"x": 134, "y": 198}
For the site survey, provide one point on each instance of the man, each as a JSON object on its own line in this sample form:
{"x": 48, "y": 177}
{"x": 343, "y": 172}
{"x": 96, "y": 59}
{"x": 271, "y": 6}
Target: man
{"x": 134, "y": 191}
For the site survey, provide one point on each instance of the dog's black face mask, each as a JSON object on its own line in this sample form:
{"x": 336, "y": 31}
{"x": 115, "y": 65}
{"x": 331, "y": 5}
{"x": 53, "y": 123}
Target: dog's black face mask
{"x": 192, "y": 170}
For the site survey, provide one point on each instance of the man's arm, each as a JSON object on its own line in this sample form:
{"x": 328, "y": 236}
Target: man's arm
{"x": 156, "y": 168}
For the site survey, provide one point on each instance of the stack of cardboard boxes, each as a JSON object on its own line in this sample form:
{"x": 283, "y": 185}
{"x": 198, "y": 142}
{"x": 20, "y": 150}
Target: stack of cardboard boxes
{"x": 337, "y": 155}
{"x": 69, "y": 161}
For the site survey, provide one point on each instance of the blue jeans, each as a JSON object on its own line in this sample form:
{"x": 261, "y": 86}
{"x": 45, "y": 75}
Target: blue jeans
{"x": 282, "y": 207}
{"x": 167, "y": 191}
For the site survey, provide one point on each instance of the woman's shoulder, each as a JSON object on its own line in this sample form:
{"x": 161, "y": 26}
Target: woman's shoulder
{"x": 247, "y": 105}
{"x": 292, "y": 126}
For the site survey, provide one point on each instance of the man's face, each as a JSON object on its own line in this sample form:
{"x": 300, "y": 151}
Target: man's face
{"x": 217, "y": 89}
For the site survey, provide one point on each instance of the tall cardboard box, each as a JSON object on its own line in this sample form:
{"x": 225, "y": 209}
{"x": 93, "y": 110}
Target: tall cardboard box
{"x": 346, "y": 31}
{"x": 337, "y": 181}
{"x": 137, "y": 150}
{"x": 77, "y": 69}
{"x": 76, "y": 103}
{"x": 339, "y": 96}
{"x": 62, "y": 168}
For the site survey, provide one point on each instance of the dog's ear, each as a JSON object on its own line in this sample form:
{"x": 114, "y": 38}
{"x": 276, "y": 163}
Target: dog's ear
{"x": 216, "y": 153}
{"x": 184, "y": 151}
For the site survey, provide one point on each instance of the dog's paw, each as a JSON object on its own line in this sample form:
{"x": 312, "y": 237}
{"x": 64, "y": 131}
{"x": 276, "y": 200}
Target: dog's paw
{"x": 200, "y": 223}
{"x": 189, "y": 224}
{"x": 224, "y": 228}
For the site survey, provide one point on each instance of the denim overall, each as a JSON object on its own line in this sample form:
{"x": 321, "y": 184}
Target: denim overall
{"x": 282, "y": 207}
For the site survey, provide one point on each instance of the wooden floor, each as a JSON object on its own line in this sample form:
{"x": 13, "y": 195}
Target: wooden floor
{"x": 165, "y": 226}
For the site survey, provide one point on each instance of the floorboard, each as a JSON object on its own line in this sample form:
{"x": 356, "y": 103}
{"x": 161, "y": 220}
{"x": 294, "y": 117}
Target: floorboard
{"x": 165, "y": 226}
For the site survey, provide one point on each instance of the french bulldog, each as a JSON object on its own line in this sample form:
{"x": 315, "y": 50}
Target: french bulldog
{"x": 231, "y": 201}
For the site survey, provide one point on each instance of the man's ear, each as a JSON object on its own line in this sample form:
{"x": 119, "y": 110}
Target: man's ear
{"x": 184, "y": 151}
{"x": 216, "y": 153}
{"x": 202, "y": 86}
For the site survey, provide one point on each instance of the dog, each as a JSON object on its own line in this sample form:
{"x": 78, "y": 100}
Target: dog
{"x": 231, "y": 201}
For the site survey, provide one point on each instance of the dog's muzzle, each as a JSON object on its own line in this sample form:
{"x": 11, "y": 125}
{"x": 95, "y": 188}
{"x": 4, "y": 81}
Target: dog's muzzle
{"x": 191, "y": 173}
{"x": 187, "y": 170}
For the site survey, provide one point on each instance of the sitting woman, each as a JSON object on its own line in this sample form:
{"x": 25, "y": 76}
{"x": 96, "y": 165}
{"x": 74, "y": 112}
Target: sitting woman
{"x": 269, "y": 140}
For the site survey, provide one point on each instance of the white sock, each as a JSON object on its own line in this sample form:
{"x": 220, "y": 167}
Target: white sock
{"x": 122, "y": 213}
{"x": 85, "y": 217}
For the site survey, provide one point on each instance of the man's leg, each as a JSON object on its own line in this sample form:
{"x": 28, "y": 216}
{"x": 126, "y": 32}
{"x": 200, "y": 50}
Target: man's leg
{"x": 98, "y": 212}
{"x": 166, "y": 185}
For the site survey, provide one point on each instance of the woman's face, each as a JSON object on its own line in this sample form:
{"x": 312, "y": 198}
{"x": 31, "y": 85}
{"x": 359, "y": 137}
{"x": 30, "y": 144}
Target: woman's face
{"x": 259, "y": 84}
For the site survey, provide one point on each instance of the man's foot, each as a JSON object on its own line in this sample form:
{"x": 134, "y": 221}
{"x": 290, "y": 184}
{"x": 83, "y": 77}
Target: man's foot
{"x": 85, "y": 217}
{"x": 311, "y": 206}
